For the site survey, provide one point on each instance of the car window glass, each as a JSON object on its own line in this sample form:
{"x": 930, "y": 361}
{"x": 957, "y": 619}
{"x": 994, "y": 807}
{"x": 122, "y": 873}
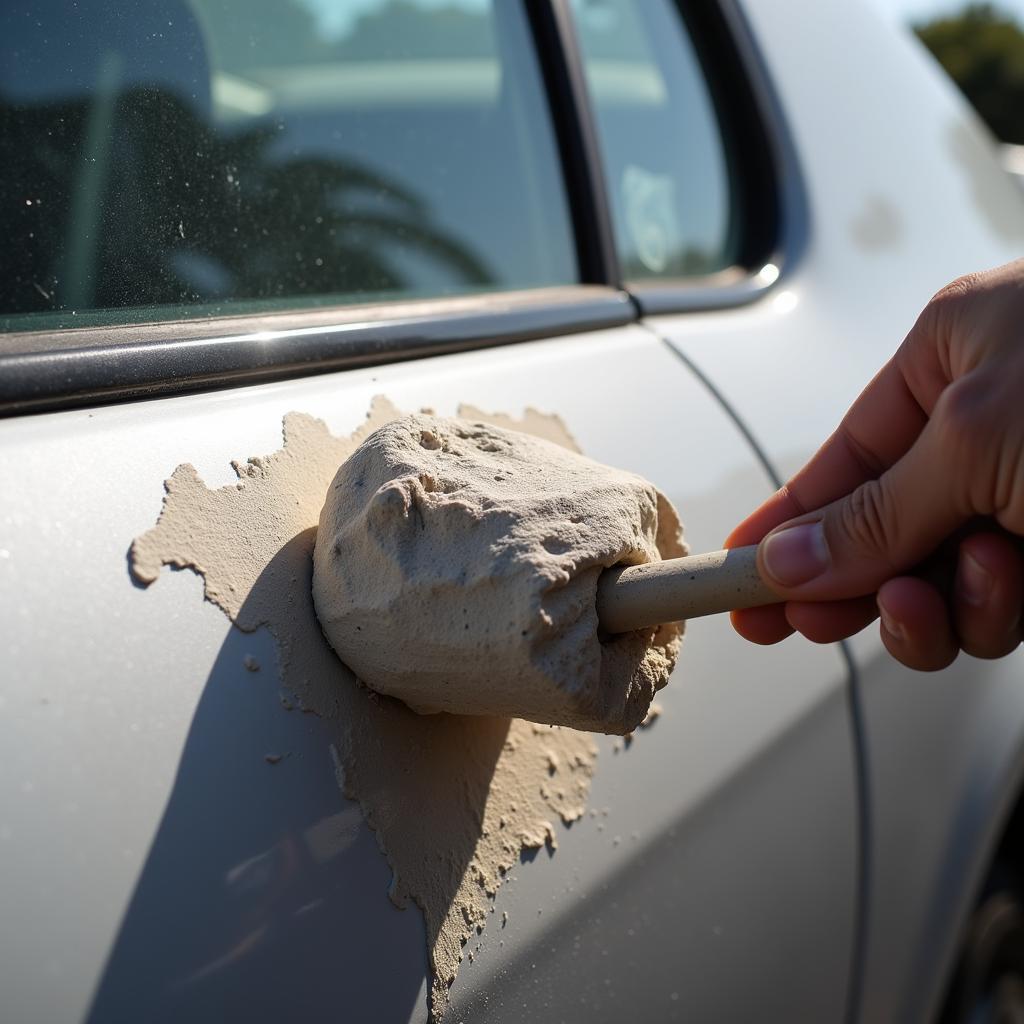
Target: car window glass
{"x": 177, "y": 158}
{"x": 665, "y": 163}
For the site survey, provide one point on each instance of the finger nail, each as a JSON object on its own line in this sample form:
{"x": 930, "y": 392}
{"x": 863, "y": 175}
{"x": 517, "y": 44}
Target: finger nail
{"x": 889, "y": 624}
{"x": 796, "y": 554}
{"x": 975, "y": 581}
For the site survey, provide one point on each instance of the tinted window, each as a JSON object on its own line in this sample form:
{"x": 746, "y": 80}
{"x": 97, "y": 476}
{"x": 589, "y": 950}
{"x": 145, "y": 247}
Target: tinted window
{"x": 164, "y": 159}
{"x": 665, "y": 164}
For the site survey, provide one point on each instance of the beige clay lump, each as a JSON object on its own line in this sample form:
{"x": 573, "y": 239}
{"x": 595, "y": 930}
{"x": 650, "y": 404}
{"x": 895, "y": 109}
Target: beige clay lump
{"x": 456, "y": 567}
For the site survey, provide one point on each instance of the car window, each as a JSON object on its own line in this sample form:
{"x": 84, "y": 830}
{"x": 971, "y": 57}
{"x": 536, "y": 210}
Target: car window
{"x": 206, "y": 157}
{"x": 665, "y": 163}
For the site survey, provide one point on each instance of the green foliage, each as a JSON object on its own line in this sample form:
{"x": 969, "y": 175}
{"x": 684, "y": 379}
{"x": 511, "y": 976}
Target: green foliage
{"x": 982, "y": 49}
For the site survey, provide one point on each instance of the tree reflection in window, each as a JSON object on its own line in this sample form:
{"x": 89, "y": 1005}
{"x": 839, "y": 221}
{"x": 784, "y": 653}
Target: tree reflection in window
{"x": 217, "y": 157}
{"x": 189, "y": 216}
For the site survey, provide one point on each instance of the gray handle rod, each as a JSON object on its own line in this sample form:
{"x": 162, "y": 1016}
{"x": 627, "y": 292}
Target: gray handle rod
{"x": 680, "y": 588}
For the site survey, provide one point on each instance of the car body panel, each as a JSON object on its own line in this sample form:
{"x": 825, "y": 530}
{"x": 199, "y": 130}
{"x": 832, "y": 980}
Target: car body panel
{"x": 904, "y": 192}
{"x": 157, "y": 862}
{"x": 158, "y": 867}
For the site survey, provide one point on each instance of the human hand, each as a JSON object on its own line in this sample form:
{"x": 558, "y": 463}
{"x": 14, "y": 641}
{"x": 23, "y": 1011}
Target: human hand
{"x": 930, "y": 456}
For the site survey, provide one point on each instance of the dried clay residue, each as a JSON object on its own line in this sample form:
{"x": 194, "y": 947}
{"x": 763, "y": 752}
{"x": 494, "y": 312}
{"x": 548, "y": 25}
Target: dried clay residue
{"x": 453, "y": 801}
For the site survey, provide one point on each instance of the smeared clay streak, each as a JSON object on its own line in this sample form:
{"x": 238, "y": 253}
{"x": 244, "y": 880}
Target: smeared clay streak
{"x": 452, "y": 801}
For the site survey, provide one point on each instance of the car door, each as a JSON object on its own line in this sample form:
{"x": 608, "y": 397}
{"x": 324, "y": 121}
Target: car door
{"x": 902, "y": 193}
{"x": 264, "y": 219}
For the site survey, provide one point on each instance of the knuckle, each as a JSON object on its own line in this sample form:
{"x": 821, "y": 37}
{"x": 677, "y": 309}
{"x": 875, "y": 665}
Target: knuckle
{"x": 946, "y": 305}
{"x": 971, "y": 424}
{"x": 965, "y": 418}
{"x": 867, "y": 521}
{"x": 870, "y": 464}
{"x": 937, "y": 324}
{"x": 957, "y": 289}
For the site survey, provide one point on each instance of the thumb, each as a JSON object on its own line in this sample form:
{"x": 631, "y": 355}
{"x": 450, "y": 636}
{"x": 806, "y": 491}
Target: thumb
{"x": 878, "y": 531}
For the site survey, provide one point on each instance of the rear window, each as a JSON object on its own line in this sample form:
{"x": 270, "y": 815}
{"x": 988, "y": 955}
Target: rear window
{"x": 170, "y": 159}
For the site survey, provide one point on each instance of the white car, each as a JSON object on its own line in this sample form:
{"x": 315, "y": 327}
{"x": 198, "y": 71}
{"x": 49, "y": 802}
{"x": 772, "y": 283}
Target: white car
{"x": 691, "y": 233}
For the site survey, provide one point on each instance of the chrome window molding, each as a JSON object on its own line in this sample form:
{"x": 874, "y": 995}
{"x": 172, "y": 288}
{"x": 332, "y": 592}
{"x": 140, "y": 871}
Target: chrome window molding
{"x": 43, "y": 370}
{"x": 735, "y": 286}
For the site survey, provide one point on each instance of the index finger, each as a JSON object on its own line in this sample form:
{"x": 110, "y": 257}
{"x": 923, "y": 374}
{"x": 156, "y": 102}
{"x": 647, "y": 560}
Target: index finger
{"x": 876, "y": 432}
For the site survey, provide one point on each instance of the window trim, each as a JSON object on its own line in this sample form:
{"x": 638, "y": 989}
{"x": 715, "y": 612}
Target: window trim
{"x": 561, "y": 62}
{"x": 46, "y": 370}
{"x": 87, "y": 366}
{"x": 772, "y": 190}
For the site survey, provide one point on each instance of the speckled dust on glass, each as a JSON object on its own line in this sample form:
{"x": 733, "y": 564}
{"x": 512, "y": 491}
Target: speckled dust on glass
{"x": 220, "y": 156}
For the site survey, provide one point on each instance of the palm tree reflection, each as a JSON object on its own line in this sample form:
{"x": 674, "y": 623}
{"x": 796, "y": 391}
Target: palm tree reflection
{"x": 183, "y": 214}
